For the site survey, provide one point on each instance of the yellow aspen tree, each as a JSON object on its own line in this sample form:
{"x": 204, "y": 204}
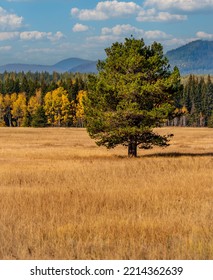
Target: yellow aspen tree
{"x": 32, "y": 105}
{"x": 48, "y": 108}
{"x": 38, "y": 95}
{"x": 19, "y": 109}
{"x": 57, "y": 107}
{"x": 7, "y": 100}
{"x": 1, "y": 99}
{"x": 65, "y": 110}
{"x": 79, "y": 117}
{"x": 13, "y": 97}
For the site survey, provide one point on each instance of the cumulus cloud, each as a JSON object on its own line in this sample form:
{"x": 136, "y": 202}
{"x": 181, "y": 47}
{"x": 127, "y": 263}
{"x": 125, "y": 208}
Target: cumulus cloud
{"x": 118, "y": 32}
{"x": 56, "y": 37}
{"x": 4, "y": 36}
{"x": 183, "y": 5}
{"x": 151, "y": 11}
{"x": 122, "y": 29}
{"x": 78, "y": 27}
{"x": 34, "y": 35}
{"x": 156, "y": 34}
{"x": 106, "y": 10}
{"x": 152, "y": 15}
{"x": 127, "y": 29}
{"x": 9, "y": 21}
{"x": 204, "y": 35}
{"x": 37, "y": 35}
{"x": 31, "y": 35}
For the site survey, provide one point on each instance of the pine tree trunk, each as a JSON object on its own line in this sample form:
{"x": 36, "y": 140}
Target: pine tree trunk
{"x": 132, "y": 149}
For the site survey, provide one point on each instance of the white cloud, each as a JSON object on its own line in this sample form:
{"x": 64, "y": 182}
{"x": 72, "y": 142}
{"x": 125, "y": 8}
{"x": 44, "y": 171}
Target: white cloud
{"x": 5, "y": 48}
{"x": 152, "y": 15}
{"x": 56, "y": 37}
{"x": 204, "y": 35}
{"x": 4, "y": 36}
{"x": 106, "y": 10}
{"x": 89, "y": 14}
{"x": 183, "y": 5}
{"x": 123, "y": 29}
{"x": 34, "y": 35}
{"x": 151, "y": 11}
{"x": 127, "y": 30}
{"x": 9, "y": 21}
{"x": 119, "y": 32}
{"x": 31, "y": 35}
{"x": 78, "y": 27}
{"x": 156, "y": 34}
{"x": 103, "y": 39}
{"x": 37, "y": 35}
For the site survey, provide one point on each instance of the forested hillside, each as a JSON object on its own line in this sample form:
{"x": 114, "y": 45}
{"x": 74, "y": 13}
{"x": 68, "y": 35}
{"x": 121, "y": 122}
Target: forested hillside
{"x": 195, "y": 57}
{"x": 44, "y": 99}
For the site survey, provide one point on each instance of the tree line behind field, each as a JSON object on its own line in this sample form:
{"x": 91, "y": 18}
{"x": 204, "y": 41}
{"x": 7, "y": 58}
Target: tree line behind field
{"x": 195, "y": 106}
{"x": 43, "y": 99}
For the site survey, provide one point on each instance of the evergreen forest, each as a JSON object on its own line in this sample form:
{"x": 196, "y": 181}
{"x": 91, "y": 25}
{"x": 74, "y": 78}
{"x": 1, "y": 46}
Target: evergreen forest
{"x": 56, "y": 100}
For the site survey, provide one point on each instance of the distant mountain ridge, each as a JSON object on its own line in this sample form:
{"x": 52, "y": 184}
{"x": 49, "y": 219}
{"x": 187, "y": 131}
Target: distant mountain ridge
{"x": 193, "y": 58}
{"x": 67, "y": 65}
{"x": 71, "y": 63}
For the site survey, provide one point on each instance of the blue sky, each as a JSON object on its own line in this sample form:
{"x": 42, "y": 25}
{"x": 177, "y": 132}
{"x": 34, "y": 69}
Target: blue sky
{"x": 47, "y": 31}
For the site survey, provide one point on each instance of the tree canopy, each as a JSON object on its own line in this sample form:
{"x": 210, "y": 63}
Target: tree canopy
{"x": 134, "y": 92}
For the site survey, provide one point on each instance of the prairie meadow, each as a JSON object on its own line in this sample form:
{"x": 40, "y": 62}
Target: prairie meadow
{"x": 63, "y": 197}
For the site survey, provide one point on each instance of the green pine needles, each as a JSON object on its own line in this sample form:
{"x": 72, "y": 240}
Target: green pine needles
{"x": 134, "y": 92}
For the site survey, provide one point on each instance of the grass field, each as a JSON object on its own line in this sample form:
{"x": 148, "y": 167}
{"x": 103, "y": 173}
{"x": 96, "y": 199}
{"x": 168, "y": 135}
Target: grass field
{"x": 62, "y": 197}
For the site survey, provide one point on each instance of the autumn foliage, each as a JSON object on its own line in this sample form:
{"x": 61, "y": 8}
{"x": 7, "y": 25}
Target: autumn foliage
{"x": 55, "y": 109}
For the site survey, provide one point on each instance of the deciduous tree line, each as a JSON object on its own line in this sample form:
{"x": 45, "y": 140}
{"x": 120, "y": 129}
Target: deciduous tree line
{"x": 43, "y": 99}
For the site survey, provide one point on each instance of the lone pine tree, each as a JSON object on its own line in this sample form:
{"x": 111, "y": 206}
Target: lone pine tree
{"x": 134, "y": 92}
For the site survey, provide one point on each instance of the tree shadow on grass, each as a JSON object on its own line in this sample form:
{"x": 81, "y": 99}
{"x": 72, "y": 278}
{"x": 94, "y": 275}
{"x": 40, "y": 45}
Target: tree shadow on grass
{"x": 177, "y": 154}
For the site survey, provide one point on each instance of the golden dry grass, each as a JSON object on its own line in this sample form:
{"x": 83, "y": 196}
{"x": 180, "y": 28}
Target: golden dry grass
{"x": 62, "y": 197}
